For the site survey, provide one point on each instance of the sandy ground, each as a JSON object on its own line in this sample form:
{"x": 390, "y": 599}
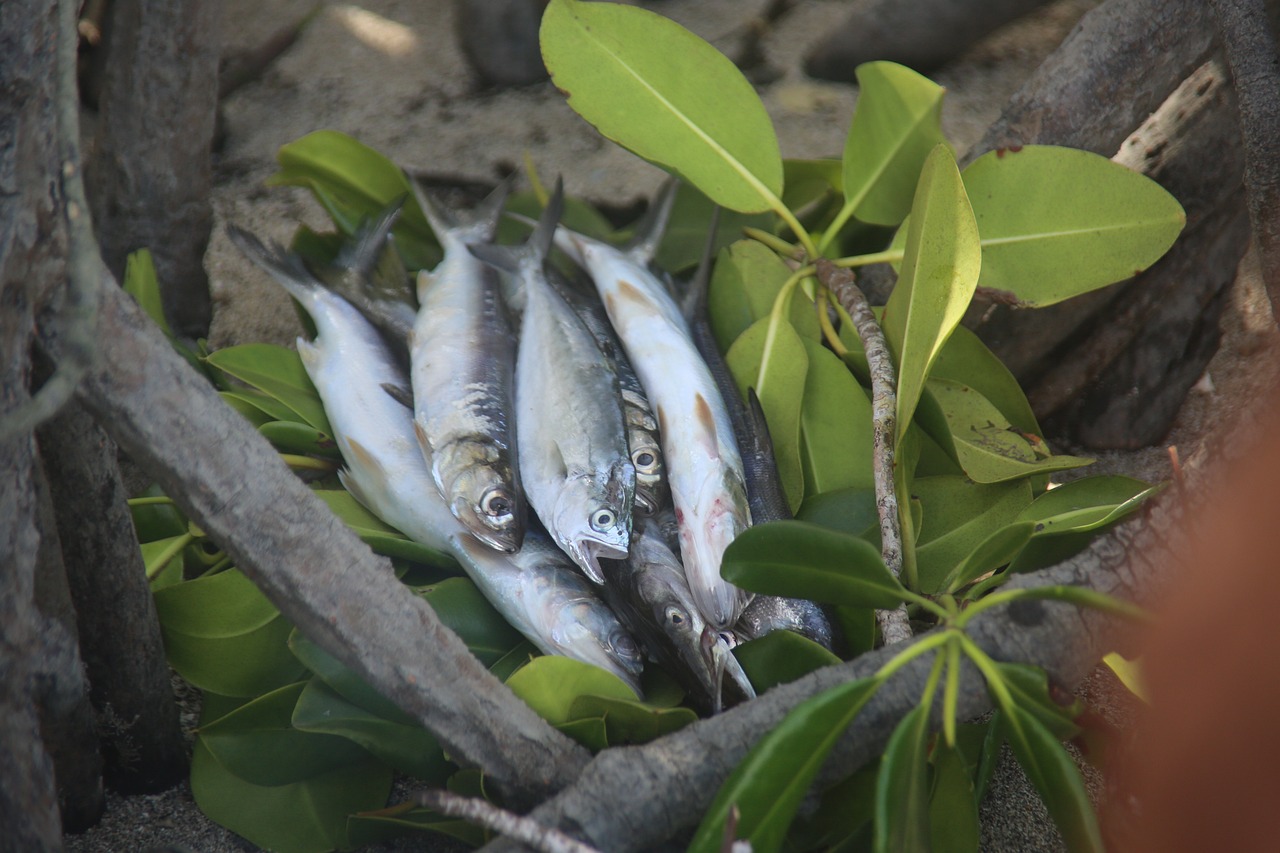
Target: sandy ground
{"x": 390, "y": 73}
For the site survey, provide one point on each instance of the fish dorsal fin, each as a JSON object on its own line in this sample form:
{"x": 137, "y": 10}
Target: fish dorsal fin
{"x": 479, "y": 224}
{"x": 693, "y": 304}
{"x": 764, "y": 486}
{"x": 362, "y": 254}
{"x": 643, "y": 247}
{"x": 399, "y": 393}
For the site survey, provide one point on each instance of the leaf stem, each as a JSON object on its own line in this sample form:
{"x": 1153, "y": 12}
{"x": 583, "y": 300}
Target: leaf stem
{"x": 888, "y": 256}
{"x": 776, "y": 318}
{"x": 824, "y": 322}
{"x": 995, "y": 681}
{"x": 308, "y": 463}
{"x": 1068, "y": 594}
{"x": 951, "y": 694}
{"x": 773, "y": 241}
{"x": 785, "y": 214}
{"x": 166, "y": 556}
{"x": 841, "y": 218}
{"x": 153, "y": 500}
{"x": 927, "y": 643}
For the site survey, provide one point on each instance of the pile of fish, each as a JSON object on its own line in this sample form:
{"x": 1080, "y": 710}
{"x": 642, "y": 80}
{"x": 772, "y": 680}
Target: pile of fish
{"x": 567, "y": 440}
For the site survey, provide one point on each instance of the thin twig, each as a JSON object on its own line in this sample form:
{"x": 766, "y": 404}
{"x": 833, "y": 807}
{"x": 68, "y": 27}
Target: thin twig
{"x": 894, "y": 626}
{"x": 80, "y": 310}
{"x": 483, "y": 813}
{"x": 1252, "y": 55}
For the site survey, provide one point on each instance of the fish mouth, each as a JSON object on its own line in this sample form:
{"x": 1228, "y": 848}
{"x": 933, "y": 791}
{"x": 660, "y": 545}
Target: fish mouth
{"x": 587, "y": 554}
{"x": 721, "y": 661}
{"x": 646, "y": 502}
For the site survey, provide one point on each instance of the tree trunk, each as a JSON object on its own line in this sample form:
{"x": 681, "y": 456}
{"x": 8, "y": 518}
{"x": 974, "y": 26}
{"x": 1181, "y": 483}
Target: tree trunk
{"x": 151, "y": 172}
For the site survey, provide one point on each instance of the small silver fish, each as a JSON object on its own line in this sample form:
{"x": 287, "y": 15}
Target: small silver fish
{"x": 462, "y": 372}
{"x": 537, "y": 590}
{"x": 569, "y": 424}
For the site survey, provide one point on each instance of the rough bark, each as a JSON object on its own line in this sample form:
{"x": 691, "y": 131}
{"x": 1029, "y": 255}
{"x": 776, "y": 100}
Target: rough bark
{"x": 1250, "y": 43}
{"x": 151, "y": 171}
{"x": 311, "y": 566}
{"x": 119, "y": 633}
{"x": 924, "y": 34}
{"x": 70, "y": 737}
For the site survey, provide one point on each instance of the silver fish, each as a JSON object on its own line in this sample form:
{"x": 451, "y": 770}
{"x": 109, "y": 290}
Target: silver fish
{"x": 462, "y": 364}
{"x": 704, "y": 469}
{"x": 569, "y": 424}
{"x": 537, "y": 590}
{"x": 650, "y": 594}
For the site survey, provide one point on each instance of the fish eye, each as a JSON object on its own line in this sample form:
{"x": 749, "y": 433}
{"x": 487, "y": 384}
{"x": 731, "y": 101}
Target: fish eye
{"x": 729, "y": 638}
{"x": 603, "y": 519}
{"x": 625, "y": 645}
{"x": 646, "y": 461}
{"x": 496, "y": 503}
{"x": 676, "y": 616}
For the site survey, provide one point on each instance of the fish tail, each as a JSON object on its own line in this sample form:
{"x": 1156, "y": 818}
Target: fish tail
{"x": 479, "y": 224}
{"x": 534, "y": 251}
{"x": 363, "y": 253}
{"x": 284, "y": 267}
{"x": 651, "y": 227}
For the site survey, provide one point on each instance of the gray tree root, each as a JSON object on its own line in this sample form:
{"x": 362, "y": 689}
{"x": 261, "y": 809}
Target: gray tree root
{"x": 923, "y": 34}
{"x": 232, "y": 483}
{"x": 151, "y": 171}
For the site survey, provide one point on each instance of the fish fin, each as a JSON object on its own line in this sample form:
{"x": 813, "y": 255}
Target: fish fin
{"x": 489, "y": 211}
{"x": 535, "y": 249}
{"x": 284, "y": 267}
{"x": 309, "y": 353}
{"x": 764, "y": 490}
{"x": 363, "y": 253}
{"x": 441, "y": 219}
{"x": 399, "y": 393}
{"x": 505, "y": 258}
{"x": 543, "y": 235}
{"x": 479, "y": 224}
{"x": 349, "y": 483}
{"x": 693, "y": 303}
{"x": 707, "y": 425}
{"x": 651, "y": 227}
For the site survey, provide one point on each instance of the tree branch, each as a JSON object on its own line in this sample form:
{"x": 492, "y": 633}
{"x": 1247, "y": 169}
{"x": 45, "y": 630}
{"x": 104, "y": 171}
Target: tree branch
{"x": 230, "y": 481}
{"x": 1251, "y": 51}
{"x": 513, "y": 826}
{"x": 894, "y": 626}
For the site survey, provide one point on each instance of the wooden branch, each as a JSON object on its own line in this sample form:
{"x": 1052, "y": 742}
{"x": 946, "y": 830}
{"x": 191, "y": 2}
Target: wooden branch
{"x": 923, "y": 34}
{"x": 115, "y": 615}
{"x": 151, "y": 172}
{"x": 1251, "y": 50}
{"x": 894, "y": 625}
{"x": 229, "y": 480}
{"x": 485, "y": 814}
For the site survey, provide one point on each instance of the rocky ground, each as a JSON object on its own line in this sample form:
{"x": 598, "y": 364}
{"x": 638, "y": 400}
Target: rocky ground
{"x": 391, "y": 73}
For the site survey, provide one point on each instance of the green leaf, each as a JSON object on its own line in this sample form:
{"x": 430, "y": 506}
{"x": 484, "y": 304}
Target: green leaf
{"x": 354, "y": 181}
{"x": 686, "y": 234}
{"x": 251, "y": 410}
{"x": 896, "y": 123}
{"x": 1130, "y": 674}
{"x": 464, "y": 609}
{"x": 1058, "y": 222}
{"x": 989, "y": 448}
{"x": 953, "y": 806}
{"x": 293, "y": 437}
{"x": 1086, "y": 504}
{"x": 303, "y": 817}
{"x": 629, "y": 722}
{"x": 996, "y": 550}
{"x": 1070, "y": 531}
{"x": 801, "y": 560}
{"x": 159, "y": 558}
{"x": 277, "y": 372}
{"x": 154, "y": 521}
{"x": 743, "y": 289}
{"x": 375, "y": 827}
{"x": 1056, "y": 777}
{"x": 591, "y": 732}
{"x": 843, "y": 820}
{"x": 835, "y": 426}
{"x": 409, "y": 749}
{"x": 578, "y": 215}
{"x": 141, "y": 282}
{"x": 657, "y": 89}
{"x": 939, "y": 272}
{"x": 851, "y": 511}
{"x": 812, "y": 184}
{"x": 964, "y": 358}
{"x": 258, "y": 743}
{"x": 771, "y": 358}
{"x": 1029, "y": 687}
{"x": 550, "y": 684}
{"x": 902, "y": 792}
{"x": 958, "y": 516}
{"x": 780, "y": 657}
{"x": 770, "y": 782}
{"x": 380, "y": 536}
{"x": 344, "y": 681}
{"x": 221, "y": 634}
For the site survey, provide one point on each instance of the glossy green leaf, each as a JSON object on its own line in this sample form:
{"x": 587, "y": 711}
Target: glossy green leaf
{"x": 250, "y": 411}
{"x": 159, "y": 520}
{"x": 344, "y": 681}
{"x": 744, "y": 288}
{"x": 354, "y": 181}
{"x": 980, "y": 744}
{"x": 1058, "y": 222}
{"x": 851, "y": 511}
{"x": 896, "y": 123}
{"x": 277, "y": 372}
{"x": 378, "y": 535}
{"x": 293, "y": 437}
{"x": 780, "y": 657}
{"x": 990, "y": 450}
{"x": 161, "y": 560}
{"x": 1057, "y": 778}
{"x": 258, "y": 743}
{"x": 463, "y": 608}
{"x": 964, "y": 358}
{"x": 375, "y": 827}
{"x": 939, "y": 272}
{"x": 953, "y": 806}
{"x": 996, "y": 550}
{"x": 842, "y": 822}
{"x": 630, "y": 722}
{"x": 1060, "y": 536}
{"x": 222, "y": 634}
{"x": 1029, "y": 687}
{"x": 409, "y": 749}
{"x": 550, "y": 684}
{"x": 835, "y": 426}
{"x": 770, "y": 357}
{"x": 141, "y": 282}
{"x": 523, "y": 652}
{"x": 657, "y": 89}
{"x": 685, "y": 236}
{"x": 591, "y": 732}
{"x": 1086, "y": 504}
{"x": 958, "y": 516}
{"x": 902, "y": 790}
{"x": 801, "y": 560}
{"x": 811, "y": 184}
{"x": 770, "y": 782}
{"x": 303, "y": 817}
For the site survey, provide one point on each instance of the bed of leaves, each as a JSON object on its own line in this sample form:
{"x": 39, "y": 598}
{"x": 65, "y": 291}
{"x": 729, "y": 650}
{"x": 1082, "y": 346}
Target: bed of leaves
{"x": 295, "y": 753}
